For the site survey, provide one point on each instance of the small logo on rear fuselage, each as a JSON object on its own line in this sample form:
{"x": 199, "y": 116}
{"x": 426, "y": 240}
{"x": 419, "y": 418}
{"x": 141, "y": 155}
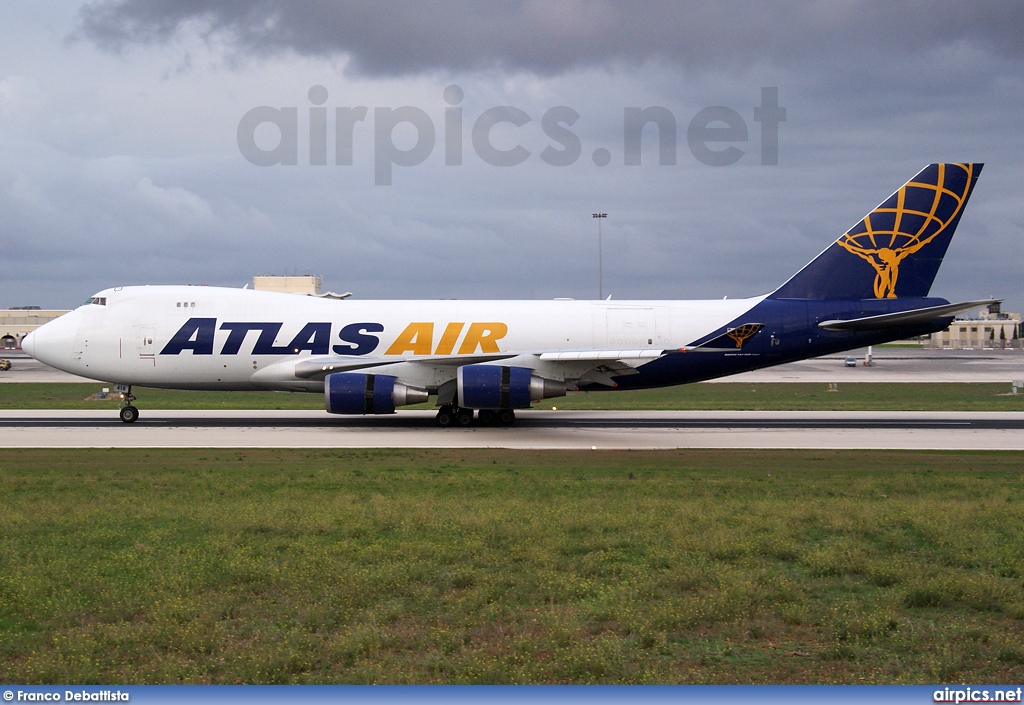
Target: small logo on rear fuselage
{"x": 743, "y": 333}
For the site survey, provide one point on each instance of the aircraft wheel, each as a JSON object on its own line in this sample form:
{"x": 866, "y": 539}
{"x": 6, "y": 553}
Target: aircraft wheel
{"x": 445, "y": 417}
{"x": 464, "y": 417}
{"x": 506, "y": 417}
{"x": 486, "y": 417}
{"x": 129, "y": 414}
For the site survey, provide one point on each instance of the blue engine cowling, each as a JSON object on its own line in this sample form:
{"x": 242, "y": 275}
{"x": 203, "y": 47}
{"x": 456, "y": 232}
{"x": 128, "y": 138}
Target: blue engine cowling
{"x": 355, "y": 393}
{"x": 498, "y": 387}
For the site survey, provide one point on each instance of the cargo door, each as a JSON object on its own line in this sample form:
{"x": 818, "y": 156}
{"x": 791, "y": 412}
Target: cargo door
{"x": 632, "y": 327}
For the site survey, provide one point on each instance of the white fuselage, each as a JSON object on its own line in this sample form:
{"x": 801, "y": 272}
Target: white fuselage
{"x": 130, "y": 337}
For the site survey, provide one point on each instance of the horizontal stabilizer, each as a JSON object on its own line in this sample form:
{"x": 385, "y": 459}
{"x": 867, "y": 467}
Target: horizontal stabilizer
{"x": 904, "y": 318}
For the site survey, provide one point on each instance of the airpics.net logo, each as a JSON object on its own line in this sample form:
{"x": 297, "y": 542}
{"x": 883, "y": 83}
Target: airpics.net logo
{"x": 715, "y": 136}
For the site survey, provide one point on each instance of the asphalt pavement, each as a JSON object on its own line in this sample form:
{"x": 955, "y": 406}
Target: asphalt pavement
{"x": 534, "y": 429}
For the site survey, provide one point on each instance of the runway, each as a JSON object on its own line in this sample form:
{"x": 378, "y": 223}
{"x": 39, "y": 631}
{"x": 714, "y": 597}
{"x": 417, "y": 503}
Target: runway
{"x": 535, "y": 429}
{"x": 538, "y": 429}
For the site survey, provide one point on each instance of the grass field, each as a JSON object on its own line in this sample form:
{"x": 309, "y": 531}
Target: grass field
{"x": 211, "y": 566}
{"x": 729, "y": 396}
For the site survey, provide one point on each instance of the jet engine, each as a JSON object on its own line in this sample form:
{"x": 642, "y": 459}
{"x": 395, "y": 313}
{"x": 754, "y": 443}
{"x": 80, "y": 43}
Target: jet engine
{"x": 354, "y": 393}
{"x": 497, "y": 387}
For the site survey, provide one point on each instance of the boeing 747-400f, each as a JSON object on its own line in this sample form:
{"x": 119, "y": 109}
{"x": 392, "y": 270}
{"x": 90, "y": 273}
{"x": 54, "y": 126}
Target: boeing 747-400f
{"x": 369, "y": 357}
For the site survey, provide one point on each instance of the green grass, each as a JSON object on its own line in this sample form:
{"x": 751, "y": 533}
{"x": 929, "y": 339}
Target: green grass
{"x": 81, "y": 396}
{"x": 857, "y": 396}
{"x": 222, "y": 566}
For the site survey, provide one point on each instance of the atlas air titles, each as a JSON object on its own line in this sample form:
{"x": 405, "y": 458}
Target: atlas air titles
{"x": 197, "y": 335}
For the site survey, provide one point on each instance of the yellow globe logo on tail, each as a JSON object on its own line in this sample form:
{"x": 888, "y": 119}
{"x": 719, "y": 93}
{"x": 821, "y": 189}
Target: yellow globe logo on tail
{"x": 897, "y": 229}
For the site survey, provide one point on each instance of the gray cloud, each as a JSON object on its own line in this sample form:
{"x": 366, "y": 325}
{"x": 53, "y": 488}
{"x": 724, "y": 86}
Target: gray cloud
{"x": 392, "y": 37}
{"x": 123, "y": 169}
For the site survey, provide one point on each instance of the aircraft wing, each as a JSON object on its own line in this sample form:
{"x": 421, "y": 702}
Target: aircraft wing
{"x": 904, "y": 318}
{"x": 601, "y": 366}
{"x": 314, "y": 367}
{"x": 602, "y": 355}
{"x": 597, "y": 366}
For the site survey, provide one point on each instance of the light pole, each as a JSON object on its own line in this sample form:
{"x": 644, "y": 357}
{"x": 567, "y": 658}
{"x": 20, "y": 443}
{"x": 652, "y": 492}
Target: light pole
{"x": 600, "y": 262}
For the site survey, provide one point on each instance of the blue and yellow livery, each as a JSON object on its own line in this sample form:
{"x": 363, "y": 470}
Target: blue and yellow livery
{"x": 484, "y": 359}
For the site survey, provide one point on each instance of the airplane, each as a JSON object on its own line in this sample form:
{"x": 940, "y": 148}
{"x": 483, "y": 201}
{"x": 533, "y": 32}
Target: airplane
{"x": 483, "y": 360}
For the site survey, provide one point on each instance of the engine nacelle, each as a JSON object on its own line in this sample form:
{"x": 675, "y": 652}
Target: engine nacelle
{"x": 497, "y": 387}
{"x": 355, "y": 393}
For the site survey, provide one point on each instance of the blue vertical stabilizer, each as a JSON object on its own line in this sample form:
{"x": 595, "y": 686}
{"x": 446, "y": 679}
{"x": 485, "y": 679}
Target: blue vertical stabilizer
{"x": 896, "y": 250}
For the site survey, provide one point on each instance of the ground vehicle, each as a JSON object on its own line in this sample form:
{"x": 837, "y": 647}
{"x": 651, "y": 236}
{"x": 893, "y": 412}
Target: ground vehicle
{"x": 5, "y": 365}
{"x": 850, "y": 361}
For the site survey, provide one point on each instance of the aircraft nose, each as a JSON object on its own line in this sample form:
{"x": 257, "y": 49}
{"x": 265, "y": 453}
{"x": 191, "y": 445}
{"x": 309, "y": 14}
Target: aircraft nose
{"x": 53, "y": 342}
{"x": 28, "y": 343}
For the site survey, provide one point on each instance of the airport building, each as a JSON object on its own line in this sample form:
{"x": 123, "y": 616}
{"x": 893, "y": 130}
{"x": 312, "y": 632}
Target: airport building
{"x": 979, "y": 333}
{"x": 991, "y": 329}
{"x": 307, "y": 284}
{"x": 19, "y": 321}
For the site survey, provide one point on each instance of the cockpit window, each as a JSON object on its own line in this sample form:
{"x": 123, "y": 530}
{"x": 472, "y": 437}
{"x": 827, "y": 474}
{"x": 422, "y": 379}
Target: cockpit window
{"x": 98, "y": 300}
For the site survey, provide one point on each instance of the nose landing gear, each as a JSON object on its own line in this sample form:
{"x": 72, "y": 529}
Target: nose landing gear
{"x": 127, "y": 412}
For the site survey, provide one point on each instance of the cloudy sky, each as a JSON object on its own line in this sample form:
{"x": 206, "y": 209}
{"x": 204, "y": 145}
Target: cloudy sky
{"x": 126, "y": 156}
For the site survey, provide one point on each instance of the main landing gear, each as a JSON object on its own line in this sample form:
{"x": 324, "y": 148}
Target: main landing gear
{"x": 449, "y": 416}
{"x": 127, "y": 412}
